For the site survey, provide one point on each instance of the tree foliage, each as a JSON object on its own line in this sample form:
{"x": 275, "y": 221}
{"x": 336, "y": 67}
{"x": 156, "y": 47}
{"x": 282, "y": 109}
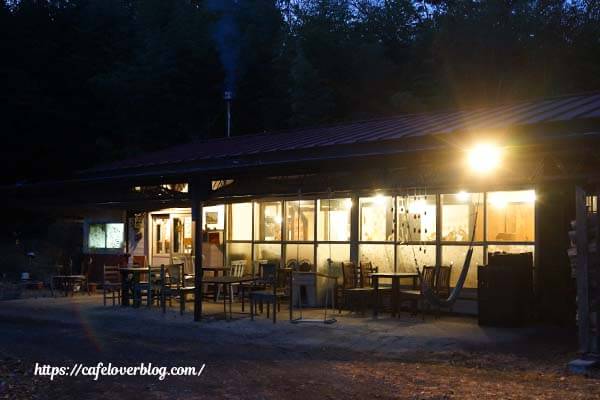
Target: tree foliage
{"x": 86, "y": 81}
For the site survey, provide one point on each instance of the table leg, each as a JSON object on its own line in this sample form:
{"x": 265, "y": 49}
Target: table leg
{"x": 230, "y": 301}
{"x": 376, "y": 305}
{"x": 124, "y": 290}
{"x": 223, "y": 287}
{"x": 181, "y": 302}
{"x": 395, "y": 296}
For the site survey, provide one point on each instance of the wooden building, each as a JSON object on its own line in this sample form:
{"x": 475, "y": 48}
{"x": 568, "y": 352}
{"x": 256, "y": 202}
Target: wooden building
{"x": 402, "y": 192}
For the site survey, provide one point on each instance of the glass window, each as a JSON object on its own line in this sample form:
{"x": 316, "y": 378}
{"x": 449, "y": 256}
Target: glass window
{"x": 459, "y": 211}
{"x": 416, "y": 218}
{"x": 213, "y": 217}
{"x": 162, "y": 234}
{"x": 106, "y": 236}
{"x": 409, "y": 257}
{"x": 115, "y": 234}
{"x": 338, "y": 253}
{"x": 376, "y": 218}
{"x": 240, "y": 221}
{"x": 300, "y": 220}
{"x": 300, "y": 253}
{"x": 455, "y": 256}
{"x": 333, "y": 220}
{"x": 97, "y": 236}
{"x": 240, "y": 251}
{"x": 510, "y": 216}
{"x": 267, "y": 221}
{"x": 381, "y": 255}
{"x": 269, "y": 252}
{"x": 511, "y": 248}
{"x": 182, "y": 235}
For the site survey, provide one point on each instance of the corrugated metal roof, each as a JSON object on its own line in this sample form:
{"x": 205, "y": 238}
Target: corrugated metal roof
{"x": 561, "y": 109}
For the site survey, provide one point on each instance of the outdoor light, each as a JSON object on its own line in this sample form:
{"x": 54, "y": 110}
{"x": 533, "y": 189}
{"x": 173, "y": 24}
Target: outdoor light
{"x": 484, "y": 158}
{"x": 462, "y": 196}
{"x": 498, "y": 200}
{"x": 379, "y": 200}
{"x": 348, "y": 204}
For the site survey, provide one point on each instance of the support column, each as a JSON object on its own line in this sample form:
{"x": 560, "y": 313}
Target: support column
{"x": 200, "y": 191}
{"x": 354, "y": 229}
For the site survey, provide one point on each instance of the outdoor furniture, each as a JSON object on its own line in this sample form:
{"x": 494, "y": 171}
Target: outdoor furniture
{"x": 237, "y": 270}
{"x": 225, "y": 281}
{"x": 129, "y": 274}
{"x": 351, "y": 295}
{"x": 395, "y": 278}
{"x": 415, "y": 296}
{"x": 171, "y": 280}
{"x": 111, "y": 283}
{"x": 66, "y": 281}
{"x": 274, "y": 280}
{"x": 147, "y": 283}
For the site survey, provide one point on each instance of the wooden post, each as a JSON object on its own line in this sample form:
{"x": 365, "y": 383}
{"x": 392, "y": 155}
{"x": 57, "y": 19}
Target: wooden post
{"x": 354, "y": 229}
{"x": 583, "y": 315}
{"x": 199, "y": 192}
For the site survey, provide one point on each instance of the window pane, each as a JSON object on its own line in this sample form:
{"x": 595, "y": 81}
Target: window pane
{"x": 333, "y": 221}
{"x": 240, "y": 221}
{"x": 511, "y": 249}
{"x": 416, "y": 218}
{"x": 213, "y": 217}
{"x": 455, "y": 256}
{"x": 300, "y": 220}
{"x": 267, "y": 221}
{"x": 338, "y": 253}
{"x": 115, "y": 234}
{"x": 188, "y": 243}
{"x": 97, "y": 236}
{"x": 381, "y": 255}
{"x": 162, "y": 234}
{"x": 269, "y": 252}
{"x": 510, "y": 216}
{"x": 376, "y": 218}
{"x": 177, "y": 235}
{"x": 406, "y": 255}
{"x": 240, "y": 251}
{"x": 458, "y": 216}
{"x": 300, "y": 253}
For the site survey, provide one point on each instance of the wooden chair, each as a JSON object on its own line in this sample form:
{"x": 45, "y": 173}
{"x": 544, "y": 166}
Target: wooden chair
{"x": 274, "y": 280}
{"x": 415, "y": 296}
{"x": 170, "y": 282}
{"x": 237, "y": 270}
{"x": 147, "y": 284}
{"x": 111, "y": 283}
{"x": 351, "y": 293}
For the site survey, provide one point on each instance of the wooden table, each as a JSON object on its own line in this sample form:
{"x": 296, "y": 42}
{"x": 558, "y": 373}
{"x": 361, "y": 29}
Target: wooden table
{"x": 66, "y": 283}
{"x": 126, "y": 281}
{"x": 395, "y": 277}
{"x": 225, "y": 281}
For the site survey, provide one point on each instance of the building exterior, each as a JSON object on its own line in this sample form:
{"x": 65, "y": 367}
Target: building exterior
{"x": 401, "y": 192}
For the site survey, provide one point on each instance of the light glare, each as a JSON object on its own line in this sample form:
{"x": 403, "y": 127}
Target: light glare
{"x": 484, "y": 157}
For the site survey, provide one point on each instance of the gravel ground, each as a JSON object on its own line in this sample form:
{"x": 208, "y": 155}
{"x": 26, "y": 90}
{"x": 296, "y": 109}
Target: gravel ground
{"x": 358, "y": 357}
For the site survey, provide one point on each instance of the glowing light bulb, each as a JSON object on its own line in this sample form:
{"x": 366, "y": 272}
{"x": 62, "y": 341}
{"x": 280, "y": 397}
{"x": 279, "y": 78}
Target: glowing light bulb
{"x": 484, "y": 158}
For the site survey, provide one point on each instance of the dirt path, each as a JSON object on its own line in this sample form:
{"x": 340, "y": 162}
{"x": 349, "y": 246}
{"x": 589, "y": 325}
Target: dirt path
{"x": 358, "y": 358}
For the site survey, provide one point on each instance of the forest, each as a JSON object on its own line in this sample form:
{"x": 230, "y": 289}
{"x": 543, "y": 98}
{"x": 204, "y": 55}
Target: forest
{"x": 89, "y": 81}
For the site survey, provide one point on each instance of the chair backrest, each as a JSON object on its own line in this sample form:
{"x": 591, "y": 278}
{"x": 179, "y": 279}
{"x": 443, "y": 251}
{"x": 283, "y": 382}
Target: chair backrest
{"x": 269, "y": 273}
{"x": 257, "y": 267}
{"x": 349, "y": 275}
{"x": 111, "y": 274}
{"x": 174, "y": 274}
{"x": 428, "y": 277}
{"x": 442, "y": 285}
{"x": 237, "y": 268}
{"x": 366, "y": 268}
